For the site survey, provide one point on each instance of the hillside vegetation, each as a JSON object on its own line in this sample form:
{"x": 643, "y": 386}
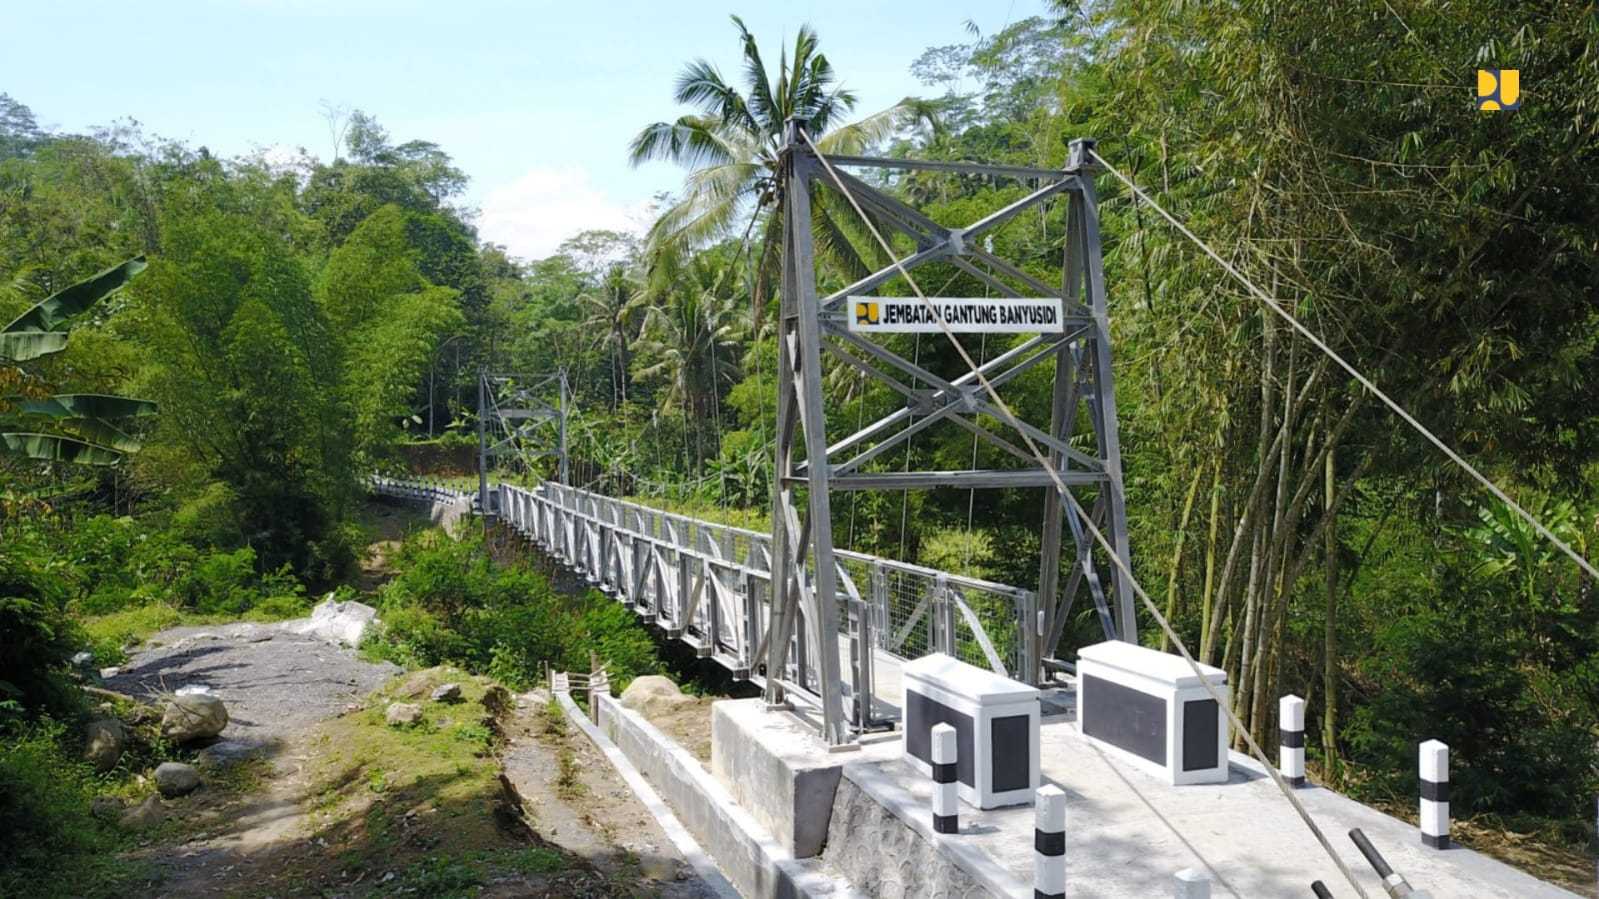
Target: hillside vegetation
{"x": 295, "y": 325}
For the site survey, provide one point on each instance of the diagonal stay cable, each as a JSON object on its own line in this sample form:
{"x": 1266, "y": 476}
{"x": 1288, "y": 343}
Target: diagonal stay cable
{"x": 1060, "y": 486}
{"x": 1365, "y": 382}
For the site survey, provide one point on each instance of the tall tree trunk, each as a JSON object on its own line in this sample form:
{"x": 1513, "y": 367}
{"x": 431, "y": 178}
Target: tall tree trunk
{"x": 1210, "y": 551}
{"x": 1332, "y": 767}
{"x": 1177, "y": 555}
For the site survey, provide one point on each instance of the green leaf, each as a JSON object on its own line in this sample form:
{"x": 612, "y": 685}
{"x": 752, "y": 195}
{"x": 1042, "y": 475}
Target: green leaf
{"x": 20, "y": 346}
{"x": 54, "y": 448}
{"x": 101, "y": 433}
{"x": 88, "y": 405}
{"x": 54, "y": 311}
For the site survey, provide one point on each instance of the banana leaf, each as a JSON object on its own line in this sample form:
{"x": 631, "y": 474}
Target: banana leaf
{"x": 100, "y": 433}
{"x": 55, "y": 310}
{"x": 54, "y": 448}
{"x": 87, "y": 405}
{"x": 20, "y": 346}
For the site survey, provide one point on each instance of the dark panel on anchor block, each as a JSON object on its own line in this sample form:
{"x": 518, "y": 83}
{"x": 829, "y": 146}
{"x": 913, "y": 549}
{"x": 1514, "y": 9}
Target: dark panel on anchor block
{"x": 921, "y": 713}
{"x": 1125, "y": 718}
{"x": 1199, "y": 734}
{"x": 1012, "y": 753}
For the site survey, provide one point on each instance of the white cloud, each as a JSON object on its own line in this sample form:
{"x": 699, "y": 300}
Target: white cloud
{"x": 533, "y": 214}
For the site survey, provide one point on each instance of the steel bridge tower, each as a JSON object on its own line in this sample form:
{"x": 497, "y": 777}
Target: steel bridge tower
{"x": 517, "y": 416}
{"x": 1079, "y": 441}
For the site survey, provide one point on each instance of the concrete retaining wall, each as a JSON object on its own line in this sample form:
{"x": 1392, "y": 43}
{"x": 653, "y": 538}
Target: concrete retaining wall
{"x": 756, "y": 864}
{"x": 774, "y": 767}
{"x": 882, "y": 839}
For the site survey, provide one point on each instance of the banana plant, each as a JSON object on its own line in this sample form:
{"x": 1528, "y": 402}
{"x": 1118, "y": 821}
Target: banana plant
{"x": 80, "y": 428}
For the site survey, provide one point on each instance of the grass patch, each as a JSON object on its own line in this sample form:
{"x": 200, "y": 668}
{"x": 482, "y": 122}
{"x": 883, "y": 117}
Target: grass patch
{"x": 110, "y": 635}
{"x": 420, "y": 809}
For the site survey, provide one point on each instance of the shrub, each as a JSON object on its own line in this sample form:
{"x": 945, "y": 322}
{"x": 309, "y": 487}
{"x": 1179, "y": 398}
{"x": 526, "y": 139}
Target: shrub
{"x": 451, "y": 604}
{"x": 210, "y": 519}
{"x": 221, "y": 583}
{"x": 277, "y": 608}
{"x": 54, "y": 846}
{"x": 37, "y": 639}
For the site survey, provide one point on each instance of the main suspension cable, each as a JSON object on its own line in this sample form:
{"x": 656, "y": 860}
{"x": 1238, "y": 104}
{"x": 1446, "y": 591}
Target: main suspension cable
{"x": 1060, "y": 486}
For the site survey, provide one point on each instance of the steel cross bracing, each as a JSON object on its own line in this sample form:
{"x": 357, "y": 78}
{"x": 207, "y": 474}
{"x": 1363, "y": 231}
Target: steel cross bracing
{"x": 517, "y": 416}
{"x": 809, "y": 468}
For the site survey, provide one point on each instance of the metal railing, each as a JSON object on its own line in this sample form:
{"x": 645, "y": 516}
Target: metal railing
{"x": 426, "y": 490}
{"x": 709, "y": 586}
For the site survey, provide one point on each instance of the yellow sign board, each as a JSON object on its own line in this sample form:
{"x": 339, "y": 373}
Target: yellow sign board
{"x": 962, "y": 315}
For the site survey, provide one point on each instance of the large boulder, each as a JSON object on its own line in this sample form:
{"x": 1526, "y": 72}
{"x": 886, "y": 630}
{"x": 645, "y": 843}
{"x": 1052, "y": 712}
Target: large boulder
{"x": 176, "y": 779}
{"x": 103, "y": 742}
{"x": 653, "y": 694}
{"x": 193, "y": 716}
{"x": 403, "y": 714}
{"x": 225, "y": 753}
{"x": 336, "y": 622}
{"x": 148, "y": 813}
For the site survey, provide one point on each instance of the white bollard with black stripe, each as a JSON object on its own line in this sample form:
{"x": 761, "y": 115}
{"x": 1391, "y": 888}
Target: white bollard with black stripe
{"x": 1291, "y": 727}
{"x": 1191, "y": 883}
{"x": 946, "y": 797}
{"x": 1435, "y": 794}
{"x": 1049, "y": 843}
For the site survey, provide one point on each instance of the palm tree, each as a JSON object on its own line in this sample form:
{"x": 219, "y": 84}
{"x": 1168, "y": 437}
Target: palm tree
{"x": 610, "y": 314}
{"x": 689, "y": 339}
{"x": 731, "y": 148}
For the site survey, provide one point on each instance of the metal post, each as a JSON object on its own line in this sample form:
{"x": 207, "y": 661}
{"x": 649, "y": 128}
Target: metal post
{"x": 1191, "y": 883}
{"x": 800, "y": 408}
{"x": 1291, "y": 728}
{"x": 1435, "y": 794}
{"x": 564, "y": 463}
{"x": 1049, "y": 843}
{"x": 482, "y": 445}
{"x": 946, "y": 792}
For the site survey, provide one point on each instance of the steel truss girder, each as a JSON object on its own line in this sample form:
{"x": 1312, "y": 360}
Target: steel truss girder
{"x": 803, "y": 563}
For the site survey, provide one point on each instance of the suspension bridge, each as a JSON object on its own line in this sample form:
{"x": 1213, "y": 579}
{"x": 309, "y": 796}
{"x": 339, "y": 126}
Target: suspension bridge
{"x": 828, "y": 632}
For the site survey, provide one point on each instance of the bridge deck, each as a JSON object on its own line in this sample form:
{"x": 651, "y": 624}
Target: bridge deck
{"x": 1128, "y": 833}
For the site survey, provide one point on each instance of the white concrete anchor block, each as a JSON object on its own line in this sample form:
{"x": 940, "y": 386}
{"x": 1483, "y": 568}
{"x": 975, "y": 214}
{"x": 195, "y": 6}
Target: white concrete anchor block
{"x": 1191, "y": 883}
{"x": 996, "y": 723}
{"x": 1435, "y": 794}
{"x": 1153, "y": 711}
{"x": 1049, "y": 843}
{"x": 1291, "y": 727}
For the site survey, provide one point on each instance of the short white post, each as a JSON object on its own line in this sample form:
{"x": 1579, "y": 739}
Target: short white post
{"x": 1291, "y": 727}
{"x": 946, "y": 812}
{"x": 1049, "y": 843}
{"x": 1435, "y": 794}
{"x": 1191, "y": 883}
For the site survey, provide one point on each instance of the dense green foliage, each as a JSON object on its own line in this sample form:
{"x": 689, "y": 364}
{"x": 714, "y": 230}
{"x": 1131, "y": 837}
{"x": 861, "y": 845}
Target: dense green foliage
{"x": 298, "y": 323}
{"x": 55, "y": 846}
{"x": 1297, "y": 534}
{"x": 451, "y": 604}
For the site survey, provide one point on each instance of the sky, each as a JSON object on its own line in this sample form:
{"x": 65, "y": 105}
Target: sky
{"x": 535, "y": 100}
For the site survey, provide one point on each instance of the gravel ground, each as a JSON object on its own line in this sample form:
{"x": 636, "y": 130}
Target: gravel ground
{"x": 275, "y": 684}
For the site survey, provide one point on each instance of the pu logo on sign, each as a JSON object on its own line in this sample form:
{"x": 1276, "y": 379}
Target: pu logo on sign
{"x": 1498, "y": 88}
{"x": 866, "y": 314}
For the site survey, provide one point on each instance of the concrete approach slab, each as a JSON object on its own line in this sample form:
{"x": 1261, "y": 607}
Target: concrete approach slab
{"x": 1128, "y": 833}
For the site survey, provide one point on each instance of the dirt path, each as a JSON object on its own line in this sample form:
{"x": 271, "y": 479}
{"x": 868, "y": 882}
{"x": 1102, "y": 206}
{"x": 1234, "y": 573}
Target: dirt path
{"x": 277, "y": 687}
{"x": 576, "y": 800}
